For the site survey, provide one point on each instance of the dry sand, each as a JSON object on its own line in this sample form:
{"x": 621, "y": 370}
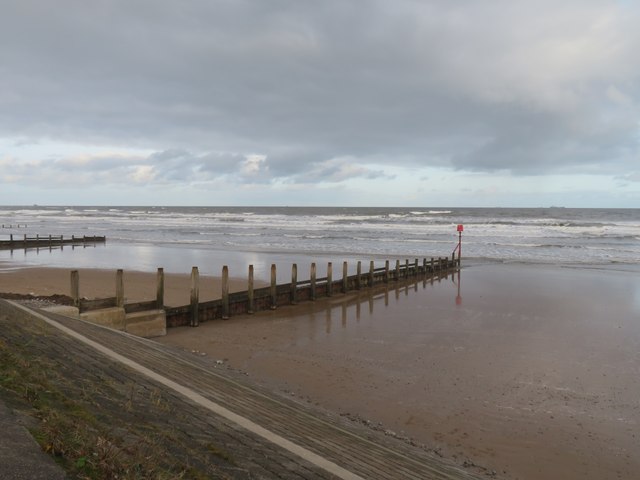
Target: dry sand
{"x": 531, "y": 371}
{"x": 138, "y": 286}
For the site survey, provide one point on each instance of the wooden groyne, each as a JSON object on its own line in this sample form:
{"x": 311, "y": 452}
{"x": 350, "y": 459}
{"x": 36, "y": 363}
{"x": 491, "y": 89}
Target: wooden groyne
{"x": 270, "y": 297}
{"x": 17, "y": 242}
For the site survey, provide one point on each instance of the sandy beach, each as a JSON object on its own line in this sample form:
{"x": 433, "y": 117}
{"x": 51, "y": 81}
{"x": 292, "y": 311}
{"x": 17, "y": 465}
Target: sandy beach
{"x": 530, "y": 371}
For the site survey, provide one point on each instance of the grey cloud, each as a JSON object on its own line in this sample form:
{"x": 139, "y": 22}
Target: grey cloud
{"x": 519, "y": 86}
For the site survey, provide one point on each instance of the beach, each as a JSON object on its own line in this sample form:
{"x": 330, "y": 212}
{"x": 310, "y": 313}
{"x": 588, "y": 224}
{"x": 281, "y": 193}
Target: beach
{"x": 529, "y": 371}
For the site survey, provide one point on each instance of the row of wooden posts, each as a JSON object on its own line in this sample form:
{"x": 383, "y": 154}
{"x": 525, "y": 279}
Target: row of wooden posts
{"x": 264, "y": 298}
{"x": 26, "y": 241}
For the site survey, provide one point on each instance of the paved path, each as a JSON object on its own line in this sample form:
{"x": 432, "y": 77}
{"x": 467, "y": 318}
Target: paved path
{"x": 304, "y": 442}
{"x": 20, "y": 456}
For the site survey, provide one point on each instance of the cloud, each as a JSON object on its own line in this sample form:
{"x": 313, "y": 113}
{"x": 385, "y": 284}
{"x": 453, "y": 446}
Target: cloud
{"x": 258, "y": 91}
{"x": 631, "y": 177}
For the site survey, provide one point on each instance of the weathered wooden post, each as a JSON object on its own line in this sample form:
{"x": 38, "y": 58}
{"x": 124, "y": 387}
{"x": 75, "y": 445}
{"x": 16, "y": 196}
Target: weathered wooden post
{"x": 359, "y": 275}
{"x": 329, "y": 279}
{"x": 120, "y": 288}
{"x": 294, "y": 283}
{"x": 225, "y": 292}
{"x": 397, "y": 270}
{"x": 386, "y": 271}
{"x": 345, "y": 277}
{"x": 406, "y": 268}
{"x": 10, "y": 237}
{"x": 424, "y": 266}
{"x": 160, "y": 289}
{"x": 274, "y": 291}
{"x": 251, "y": 304}
{"x": 195, "y": 296}
{"x": 415, "y": 268}
{"x": 371, "y": 271}
{"x": 453, "y": 260}
{"x": 75, "y": 288}
{"x": 313, "y": 281}
{"x": 433, "y": 268}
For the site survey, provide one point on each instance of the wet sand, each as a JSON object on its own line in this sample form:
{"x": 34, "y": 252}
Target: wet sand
{"x": 529, "y": 371}
{"x": 95, "y": 283}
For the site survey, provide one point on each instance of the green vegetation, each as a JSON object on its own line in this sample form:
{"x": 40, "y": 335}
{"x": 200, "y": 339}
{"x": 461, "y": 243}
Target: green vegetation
{"x": 96, "y": 426}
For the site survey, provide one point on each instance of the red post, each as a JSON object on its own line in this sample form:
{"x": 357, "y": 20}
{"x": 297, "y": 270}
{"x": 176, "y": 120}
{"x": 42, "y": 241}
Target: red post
{"x": 460, "y": 230}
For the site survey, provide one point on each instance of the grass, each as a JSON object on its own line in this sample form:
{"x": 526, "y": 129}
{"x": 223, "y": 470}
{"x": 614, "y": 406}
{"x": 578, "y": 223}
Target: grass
{"x": 96, "y": 426}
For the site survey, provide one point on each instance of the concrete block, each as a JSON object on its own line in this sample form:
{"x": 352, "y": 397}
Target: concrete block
{"x": 109, "y": 317}
{"x": 65, "y": 310}
{"x": 148, "y": 324}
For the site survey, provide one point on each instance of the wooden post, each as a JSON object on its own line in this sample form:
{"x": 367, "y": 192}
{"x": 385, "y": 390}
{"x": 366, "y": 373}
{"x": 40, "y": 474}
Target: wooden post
{"x": 424, "y": 266}
{"x": 453, "y": 260}
{"x": 274, "y": 294}
{"x": 120, "y": 288}
{"x": 415, "y": 268}
{"x": 433, "y": 270}
{"x": 359, "y": 275}
{"x": 160, "y": 289}
{"x": 11, "y": 237}
{"x": 195, "y": 296}
{"x": 75, "y": 287}
{"x": 313, "y": 281}
{"x": 345, "y": 277}
{"x": 397, "y": 270}
{"x": 225, "y": 292}
{"x": 329, "y": 279}
{"x": 371, "y": 269}
{"x": 251, "y": 305}
{"x": 294, "y": 283}
{"x": 406, "y": 268}
{"x": 386, "y": 271}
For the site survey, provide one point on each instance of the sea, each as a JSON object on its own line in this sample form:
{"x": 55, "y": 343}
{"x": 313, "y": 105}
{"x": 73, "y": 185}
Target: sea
{"x": 177, "y": 238}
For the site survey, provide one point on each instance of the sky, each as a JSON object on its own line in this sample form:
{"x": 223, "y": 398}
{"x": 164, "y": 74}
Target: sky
{"x": 506, "y": 103}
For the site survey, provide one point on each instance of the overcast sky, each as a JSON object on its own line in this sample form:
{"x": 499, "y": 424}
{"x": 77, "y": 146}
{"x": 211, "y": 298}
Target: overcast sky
{"x": 331, "y": 102}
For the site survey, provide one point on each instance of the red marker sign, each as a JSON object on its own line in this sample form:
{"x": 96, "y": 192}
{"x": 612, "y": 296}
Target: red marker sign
{"x": 461, "y": 228}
